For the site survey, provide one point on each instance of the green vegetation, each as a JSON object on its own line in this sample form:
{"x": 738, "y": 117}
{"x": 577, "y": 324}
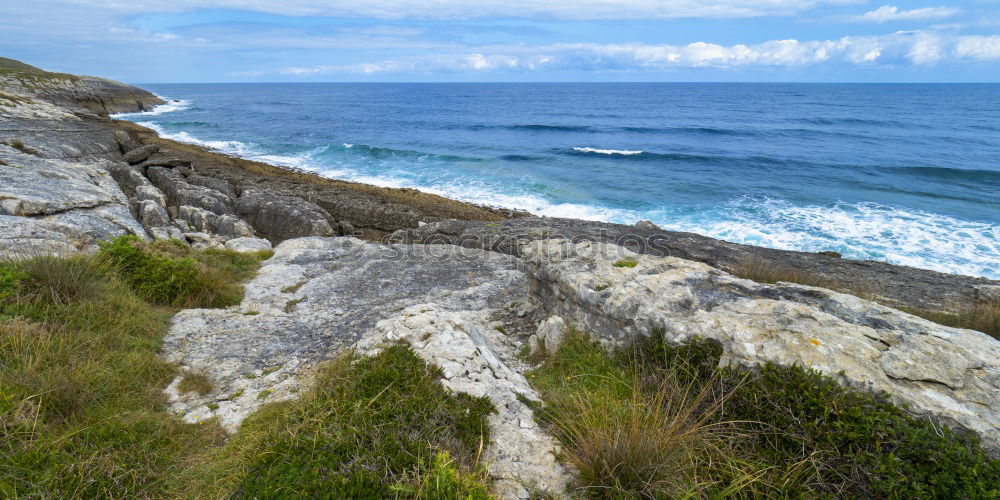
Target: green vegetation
{"x": 81, "y": 408}
{"x": 983, "y": 316}
{"x": 372, "y": 428}
{"x": 172, "y": 274}
{"x": 661, "y": 422}
{"x": 29, "y": 75}
{"x": 626, "y": 263}
{"x": 82, "y": 413}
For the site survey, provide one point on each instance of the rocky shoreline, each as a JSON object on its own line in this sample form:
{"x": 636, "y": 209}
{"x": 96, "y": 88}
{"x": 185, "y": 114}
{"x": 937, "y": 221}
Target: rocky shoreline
{"x": 466, "y": 287}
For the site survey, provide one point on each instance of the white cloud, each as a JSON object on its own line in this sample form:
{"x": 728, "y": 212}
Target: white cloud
{"x": 888, "y": 13}
{"x": 914, "y": 47}
{"x": 982, "y": 48}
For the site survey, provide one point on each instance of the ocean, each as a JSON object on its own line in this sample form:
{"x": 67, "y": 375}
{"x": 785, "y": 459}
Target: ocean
{"x": 903, "y": 173}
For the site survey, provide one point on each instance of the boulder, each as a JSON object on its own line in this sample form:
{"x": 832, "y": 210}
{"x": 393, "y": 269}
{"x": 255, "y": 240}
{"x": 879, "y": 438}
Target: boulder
{"x": 138, "y": 155}
{"x": 212, "y": 183}
{"x": 152, "y": 214}
{"x": 280, "y": 217}
{"x": 646, "y": 224}
{"x": 126, "y": 141}
{"x": 179, "y": 192}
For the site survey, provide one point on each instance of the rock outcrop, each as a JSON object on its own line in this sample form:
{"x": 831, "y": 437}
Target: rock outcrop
{"x": 893, "y": 284}
{"x": 318, "y": 297}
{"x": 51, "y": 206}
{"x": 949, "y": 374}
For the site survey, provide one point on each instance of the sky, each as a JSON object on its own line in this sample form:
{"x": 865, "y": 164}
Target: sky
{"x": 161, "y": 41}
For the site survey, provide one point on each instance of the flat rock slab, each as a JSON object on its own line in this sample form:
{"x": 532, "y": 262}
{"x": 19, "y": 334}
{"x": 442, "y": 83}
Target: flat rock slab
{"x": 311, "y": 300}
{"x": 901, "y": 285}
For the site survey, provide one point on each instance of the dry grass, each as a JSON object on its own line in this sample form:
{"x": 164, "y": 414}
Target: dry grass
{"x": 983, "y": 316}
{"x": 197, "y": 383}
{"x": 651, "y": 445}
{"x": 762, "y": 270}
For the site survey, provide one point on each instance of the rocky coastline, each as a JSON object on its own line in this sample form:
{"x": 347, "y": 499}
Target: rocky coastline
{"x": 467, "y": 287}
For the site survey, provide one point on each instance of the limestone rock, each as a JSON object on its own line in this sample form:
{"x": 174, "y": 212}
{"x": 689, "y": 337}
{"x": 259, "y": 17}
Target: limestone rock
{"x": 314, "y": 298}
{"x": 475, "y": 359}
{"x": 550, "y": 335}
{"x": 645, "y": 224}
{"x": 947, "y": 373}
{"x": 138, "y": 155}
{"x": 282, "y": 217}
{"x": 126, "y": 142}
{"x": 180, "y": 193}
{"x": 246, "y": 244}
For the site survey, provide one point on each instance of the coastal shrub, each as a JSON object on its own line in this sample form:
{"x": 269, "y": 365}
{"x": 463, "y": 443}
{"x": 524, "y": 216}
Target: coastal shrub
{"x": 369, "y": 428}
{"x": 788, "y": 431}
{"x": 171, "y": 273}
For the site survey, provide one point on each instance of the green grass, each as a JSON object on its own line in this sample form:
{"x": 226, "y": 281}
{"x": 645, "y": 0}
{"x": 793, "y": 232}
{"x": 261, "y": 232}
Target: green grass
{"x": 373, "y": 428}
{"x": 81, "y": 408}
{"x": 626, "y": 263}
{"x": 171, "y": 273}
{"x": 661, "y": 422}
{"x": 82, "y": 412}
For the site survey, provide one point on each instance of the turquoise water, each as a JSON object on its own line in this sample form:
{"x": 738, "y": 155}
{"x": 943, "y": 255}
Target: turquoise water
{"x": 908, "y": 174}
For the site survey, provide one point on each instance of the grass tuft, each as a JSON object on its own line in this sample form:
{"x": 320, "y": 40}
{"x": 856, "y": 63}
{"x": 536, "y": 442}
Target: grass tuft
{"x": 197, "y": 383}
{"x": 660, "y": 421}
{"x": 626, "y": 263}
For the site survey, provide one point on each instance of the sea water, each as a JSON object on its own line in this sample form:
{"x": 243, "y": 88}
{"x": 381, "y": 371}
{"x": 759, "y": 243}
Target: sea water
{"x": 904, "y": 173}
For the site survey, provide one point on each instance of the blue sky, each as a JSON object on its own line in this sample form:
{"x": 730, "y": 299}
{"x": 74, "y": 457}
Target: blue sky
{"x": 152, "y": 41}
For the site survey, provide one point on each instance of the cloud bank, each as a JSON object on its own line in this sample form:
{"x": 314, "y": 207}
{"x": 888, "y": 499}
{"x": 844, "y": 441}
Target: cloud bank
{"x": 887, "y": 13}
{"x": 466, "y": 9}
{"x": 918, "y": 48}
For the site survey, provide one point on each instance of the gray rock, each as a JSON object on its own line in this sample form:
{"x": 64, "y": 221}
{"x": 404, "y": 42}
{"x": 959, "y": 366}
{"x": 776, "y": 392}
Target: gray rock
{"x": 550, "y": 335}
{"x": 248, "y": 244}
{"x": 167, "y": 233}
{"x": 179, "y": 192}
{"x": 478, "y": 360}
{"x": 946, "y": 373}
{"x": 212, "y": 183}
{"x": 280, "y": 217}
{"x": 138, "y": 155}
{"x": 152, "y": 214}
{"x": 987, "y": 293}
{"x": 901, "y": 285}
{"x": 316, "y": 297}
{"x": 646, "y": 224}
{"x": 52, "y": 206}
{"x": 126, "y": 142}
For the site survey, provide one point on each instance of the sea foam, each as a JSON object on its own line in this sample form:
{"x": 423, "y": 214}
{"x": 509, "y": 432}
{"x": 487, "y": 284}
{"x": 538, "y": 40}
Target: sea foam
{"x": 170, "y": 106}
{"x": 607, "y": 151}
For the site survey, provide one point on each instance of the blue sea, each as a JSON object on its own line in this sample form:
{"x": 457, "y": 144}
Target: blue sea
{"x": 908, "y": 174}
